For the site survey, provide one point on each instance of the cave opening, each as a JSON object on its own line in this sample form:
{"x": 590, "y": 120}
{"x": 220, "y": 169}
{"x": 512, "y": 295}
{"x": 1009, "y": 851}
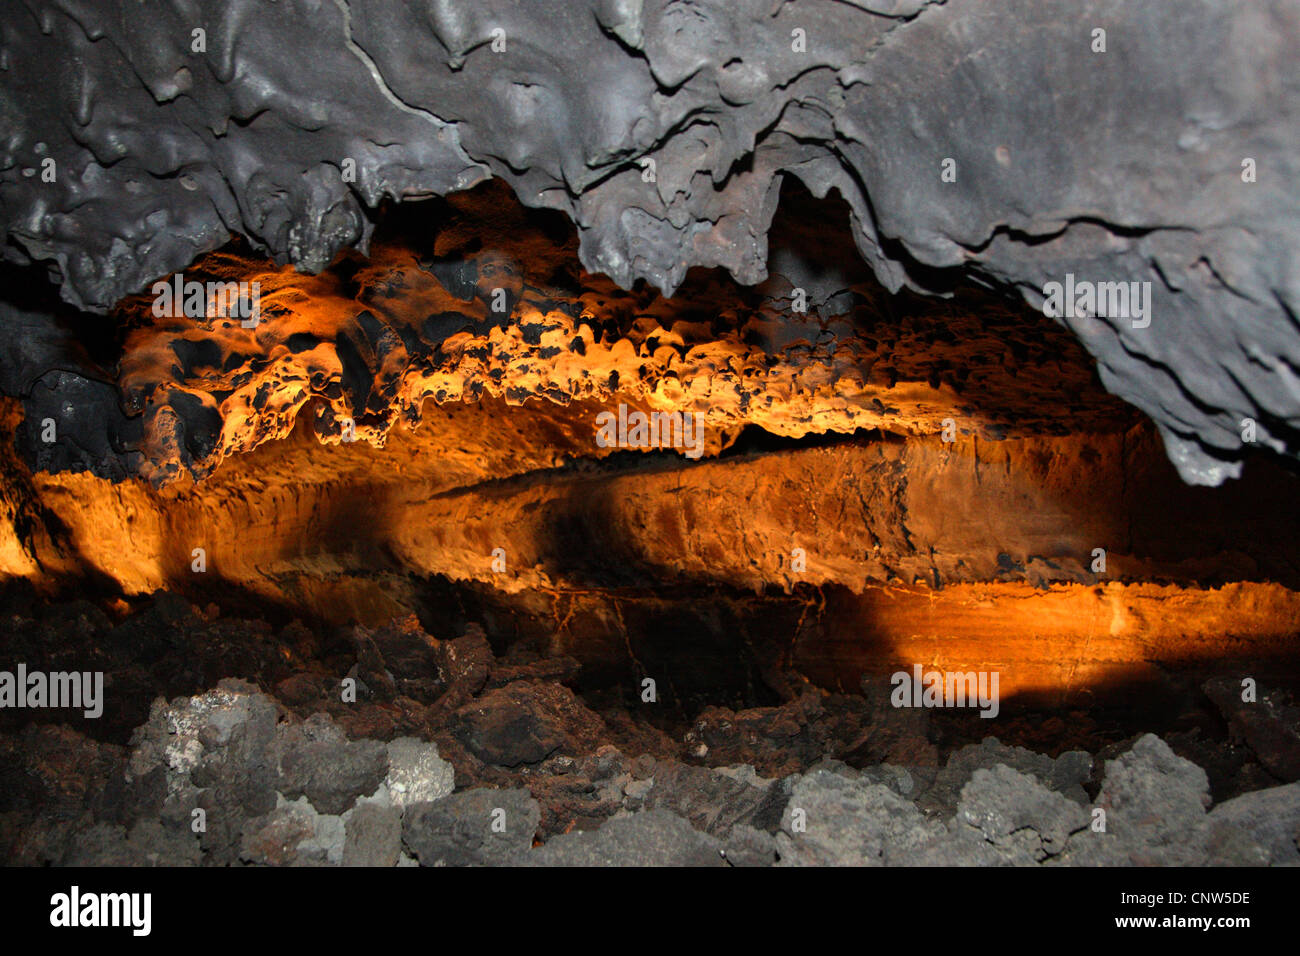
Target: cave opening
{"x": 385, "y": 500}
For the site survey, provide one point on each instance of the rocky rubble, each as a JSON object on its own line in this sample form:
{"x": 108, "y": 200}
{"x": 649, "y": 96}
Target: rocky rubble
{"x": 1270, "y": 726}
{"x": 492, "y": 761}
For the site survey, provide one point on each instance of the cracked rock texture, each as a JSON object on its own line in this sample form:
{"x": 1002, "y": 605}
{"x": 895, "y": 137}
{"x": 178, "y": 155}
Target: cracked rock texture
{"x": 410, "y": 333}
{"x": 134, "y": 138}
{"x": 972, "y": 552}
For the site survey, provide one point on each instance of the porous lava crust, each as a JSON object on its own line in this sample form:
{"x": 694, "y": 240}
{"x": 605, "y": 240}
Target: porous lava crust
{"x": 370, "y": 341}
{"x": 138, "y": 137}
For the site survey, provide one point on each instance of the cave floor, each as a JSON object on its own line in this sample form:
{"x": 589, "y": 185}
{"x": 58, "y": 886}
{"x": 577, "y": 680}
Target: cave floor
{"x": 387, "y": 746}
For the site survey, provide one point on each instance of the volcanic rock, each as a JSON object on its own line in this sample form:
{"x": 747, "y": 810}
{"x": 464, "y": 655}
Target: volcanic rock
{"x": 316, "y": 760}
{"x": 1270, "y": 725}
{"x": 471, "y": 828}
{"x": 525, "y": 722}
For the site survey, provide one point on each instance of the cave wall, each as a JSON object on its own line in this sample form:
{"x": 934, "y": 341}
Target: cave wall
{"x": 970, "y": 554}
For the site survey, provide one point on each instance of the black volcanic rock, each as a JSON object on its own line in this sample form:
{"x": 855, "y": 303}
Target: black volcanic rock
{"x": 1269, "y": 724}
{"x": 524, "y": 723}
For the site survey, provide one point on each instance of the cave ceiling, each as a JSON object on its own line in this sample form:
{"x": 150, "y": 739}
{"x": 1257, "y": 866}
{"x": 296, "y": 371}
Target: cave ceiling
{"x": 999, "y": 142}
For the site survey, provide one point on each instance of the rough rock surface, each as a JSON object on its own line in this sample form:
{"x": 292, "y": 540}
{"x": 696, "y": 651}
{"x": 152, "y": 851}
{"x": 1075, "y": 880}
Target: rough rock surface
{"x": 1151, "y": 792}
{"x": 373, "y": 834}
{"x": 236, "y": 776}
{"x": 1270, "y": 726}
{"x": 1066, "y": 775}
{"x": 391, "y": 340}
{"x": 648, "y": 838}
{"x": 1271, "y": 818}
{"x": 416, "y": 774}
{"x": 1019, "y": 817}
{"x": 315, "y": 759}
{"x": 524, "y": 723}
{"x": 449, "y": 209}
{"x": 151, "y": 135}
{"x": 610, "y": 563}
{"x": 475, "y": 827}
{"x": 833, "y": 819}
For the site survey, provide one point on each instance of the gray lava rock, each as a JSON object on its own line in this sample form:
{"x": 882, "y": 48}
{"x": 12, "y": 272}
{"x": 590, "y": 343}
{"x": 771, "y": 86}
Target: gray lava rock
{"x": 908, "y": 782}
{"x": 1066, "y": 774}
{"x": 293, "y": 834}
{"x": 211, "y": 752}
{"x": 372, "y": 834}
{"x": 317, "y": 760}
{"x": 1271, "y": 817}
{"x": 716, "y": 801}
{"x": 148, "y": 843}
{"x": 1023, "y": 820}
{"x": 478, "y": 827}
{"x": 154, "y": 165}
{"x": 416, "y": 774}
{"x": 649, "y": 838}
{"x": 1153, "y": 796}
{"x": 199, "y": 733}
{"x": 834, "y": 821}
